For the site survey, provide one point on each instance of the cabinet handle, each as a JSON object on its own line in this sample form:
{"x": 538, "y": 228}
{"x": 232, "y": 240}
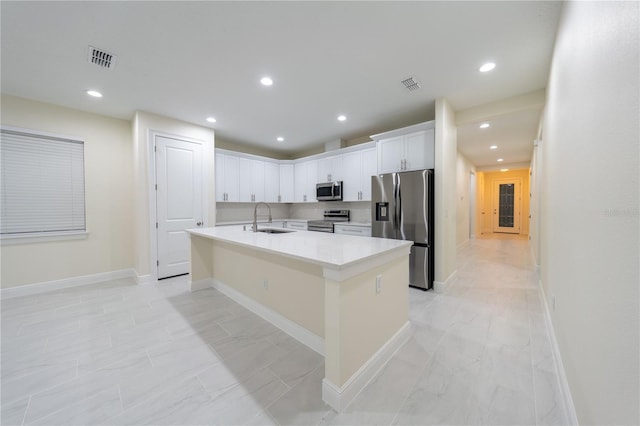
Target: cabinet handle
{"x": 304, "y": 198}
{"x": 279, "y": 198}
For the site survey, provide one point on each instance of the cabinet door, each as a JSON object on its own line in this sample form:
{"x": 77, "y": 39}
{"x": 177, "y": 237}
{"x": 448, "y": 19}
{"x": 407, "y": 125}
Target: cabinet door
{"x": 286, "y": 183}
{"x": 369, "y": 168}
{"x": 258, "y": 180}
{"x": 416, "y": 151}
{"x": 220, "y": 193}
{"x": 390, "y": 154}
{"x": 352, "y": 175}
{"x": 227, "y": 181}
{"x": 271, "y": 182}
{"x": 330, "y": 169}
{"x": 312, "y": 175}
{"x": 300, "y": 181}
{"x": 246, "y": 182}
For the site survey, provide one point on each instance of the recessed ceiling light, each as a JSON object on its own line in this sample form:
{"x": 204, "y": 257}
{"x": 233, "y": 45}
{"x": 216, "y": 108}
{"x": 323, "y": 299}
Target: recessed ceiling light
{"x": 342, "y": 117}
{"x": 94, "y": 93}
{"x": 266, "y": 81}
{"x": 504, "y": 170}
{"x": 500, "y": 160}
{"x": 485, "y": 125}
{"x": 211, "y": 119}
{"x": 493, "y": 147}
{"x": 280, "y": 139}
{"x": 487, "y": 67}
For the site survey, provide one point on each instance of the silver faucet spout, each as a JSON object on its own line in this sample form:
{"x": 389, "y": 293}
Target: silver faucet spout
{"x": 255, "y": 215}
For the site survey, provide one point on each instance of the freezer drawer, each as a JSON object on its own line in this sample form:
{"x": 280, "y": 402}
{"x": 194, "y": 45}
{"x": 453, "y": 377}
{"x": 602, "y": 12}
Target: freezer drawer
{"x": 420, "y": 268}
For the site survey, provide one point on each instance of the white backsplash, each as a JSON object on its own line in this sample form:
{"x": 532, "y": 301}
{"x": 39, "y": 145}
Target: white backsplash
{"x": 360, "y": 211}
{"x": 234, "y": 212}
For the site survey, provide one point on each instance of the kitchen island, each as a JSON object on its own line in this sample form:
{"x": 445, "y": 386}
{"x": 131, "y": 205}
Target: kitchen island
{"x": 344, "y": 296}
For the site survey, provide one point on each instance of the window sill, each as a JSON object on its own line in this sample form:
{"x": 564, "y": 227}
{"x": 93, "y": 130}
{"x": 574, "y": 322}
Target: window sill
{"x": 42, "y": 237}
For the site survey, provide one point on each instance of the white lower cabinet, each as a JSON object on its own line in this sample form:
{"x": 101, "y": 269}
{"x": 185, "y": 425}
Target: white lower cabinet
{"x": 294, "y": 224}
{"x": 358, "y": 230}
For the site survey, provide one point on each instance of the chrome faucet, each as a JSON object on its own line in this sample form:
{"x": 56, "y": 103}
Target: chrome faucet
{"x": 255, "y": 215}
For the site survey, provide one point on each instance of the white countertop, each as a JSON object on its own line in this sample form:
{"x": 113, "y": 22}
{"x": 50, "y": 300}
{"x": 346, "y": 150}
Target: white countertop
{"x": 327, "y": 250}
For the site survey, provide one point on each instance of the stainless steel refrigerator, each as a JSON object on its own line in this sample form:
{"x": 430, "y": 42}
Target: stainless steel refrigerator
{"x": 402, "y": 209}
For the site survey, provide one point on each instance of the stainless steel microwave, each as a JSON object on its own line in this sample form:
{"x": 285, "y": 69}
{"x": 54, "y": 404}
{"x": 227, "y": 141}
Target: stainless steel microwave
{"x": 329, "y": 191}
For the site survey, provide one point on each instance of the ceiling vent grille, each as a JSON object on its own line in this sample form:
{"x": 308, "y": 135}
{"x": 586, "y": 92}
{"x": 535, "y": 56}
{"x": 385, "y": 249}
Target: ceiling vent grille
{"x": 411, "y": 84}
{"x": 101, "y": 58}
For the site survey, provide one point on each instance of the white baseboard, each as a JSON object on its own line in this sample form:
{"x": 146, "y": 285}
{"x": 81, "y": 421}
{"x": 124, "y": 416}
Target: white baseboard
{"x": 43, "y": 287}
{"x": 569, "y": 407}
{"x": 201, "y": 284}
{"x": 463, "y": 244}
{"x": 293, "y": 329}
{"x": 439, "y": 286}
{"x": 145, "y": 279}
{"x": 340, "y": 397}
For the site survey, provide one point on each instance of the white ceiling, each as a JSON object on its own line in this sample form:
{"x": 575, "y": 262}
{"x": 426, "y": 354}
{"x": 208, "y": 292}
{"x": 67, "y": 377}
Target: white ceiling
{"x": 190, "y": 60}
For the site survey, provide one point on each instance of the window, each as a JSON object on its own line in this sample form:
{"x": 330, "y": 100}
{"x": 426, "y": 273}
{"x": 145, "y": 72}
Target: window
{"x": 42, "y": 184}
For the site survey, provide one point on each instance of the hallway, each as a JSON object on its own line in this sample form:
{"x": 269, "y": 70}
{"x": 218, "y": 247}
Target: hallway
{"x": 119, "y": 353}
{"x": 479, "y": 354}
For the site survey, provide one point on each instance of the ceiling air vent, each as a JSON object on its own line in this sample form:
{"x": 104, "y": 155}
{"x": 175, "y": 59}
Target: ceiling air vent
{"x": 411, "y": 84}
{"x": 101, "y": 58}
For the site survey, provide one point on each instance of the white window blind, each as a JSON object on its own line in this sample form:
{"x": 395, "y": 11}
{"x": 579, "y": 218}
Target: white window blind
{"x": 42, "y": 187}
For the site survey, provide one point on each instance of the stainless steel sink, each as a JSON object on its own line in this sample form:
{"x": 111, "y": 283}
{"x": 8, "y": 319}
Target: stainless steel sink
{"x": 274, "y": 231}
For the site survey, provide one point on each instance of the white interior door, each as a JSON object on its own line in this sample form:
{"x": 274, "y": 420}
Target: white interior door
{"x": 506, "y": 206}
{"x": 178, "y": 202}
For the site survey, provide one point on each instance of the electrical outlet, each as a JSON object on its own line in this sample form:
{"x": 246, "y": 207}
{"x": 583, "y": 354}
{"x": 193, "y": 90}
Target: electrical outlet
{"x": 378, "y": 283}
{"x": 265, "y": 284}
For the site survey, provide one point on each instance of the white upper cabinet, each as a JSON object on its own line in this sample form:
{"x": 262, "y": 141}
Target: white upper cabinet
{"x": 358, "y": 167}
{"x": 227, "y": 178}
{"x": 271, "y": 182}
{"x": 286, "y": 183}
{"x": 391, "y": 154}
{"x": 330, "y": 169}
{"x": 251, "y": 180}
{"x": 305, "y": 179}
{"x": 369, "y": 168}
{"x": 410, "y": 148}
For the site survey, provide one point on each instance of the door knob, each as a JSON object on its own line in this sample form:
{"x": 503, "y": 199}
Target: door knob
{"x": 199, "y": 223}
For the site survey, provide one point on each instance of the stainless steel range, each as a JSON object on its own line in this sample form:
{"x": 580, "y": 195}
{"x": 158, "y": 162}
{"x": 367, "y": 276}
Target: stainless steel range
{"x": 330, "y": 217}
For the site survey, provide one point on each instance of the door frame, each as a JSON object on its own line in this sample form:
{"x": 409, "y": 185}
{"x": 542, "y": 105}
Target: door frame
{"x": 152, "y": 201}
{"x": 517, "y": 203}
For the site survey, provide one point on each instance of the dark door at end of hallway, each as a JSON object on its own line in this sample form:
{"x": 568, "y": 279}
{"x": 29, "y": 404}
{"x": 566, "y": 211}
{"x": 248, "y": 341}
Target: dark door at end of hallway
{"x": 506, "y": 206}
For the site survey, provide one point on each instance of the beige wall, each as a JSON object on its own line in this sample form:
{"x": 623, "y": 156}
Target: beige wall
{"x": 464, "y": 168}
{"x": 294, "y": 289}
{"x": 590, "y": 207}
{"x": 109, "y": 197}
{"x": 143, "y": 125}
{"x": 489, "y": 199}
{"x": 446, "y": 151}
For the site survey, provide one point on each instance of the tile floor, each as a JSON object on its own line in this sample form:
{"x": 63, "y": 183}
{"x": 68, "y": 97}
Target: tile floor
{"x": 116, "y": 353}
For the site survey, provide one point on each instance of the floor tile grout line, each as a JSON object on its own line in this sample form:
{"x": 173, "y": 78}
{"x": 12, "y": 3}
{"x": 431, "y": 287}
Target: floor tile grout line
{"x": 26, "y": 410}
